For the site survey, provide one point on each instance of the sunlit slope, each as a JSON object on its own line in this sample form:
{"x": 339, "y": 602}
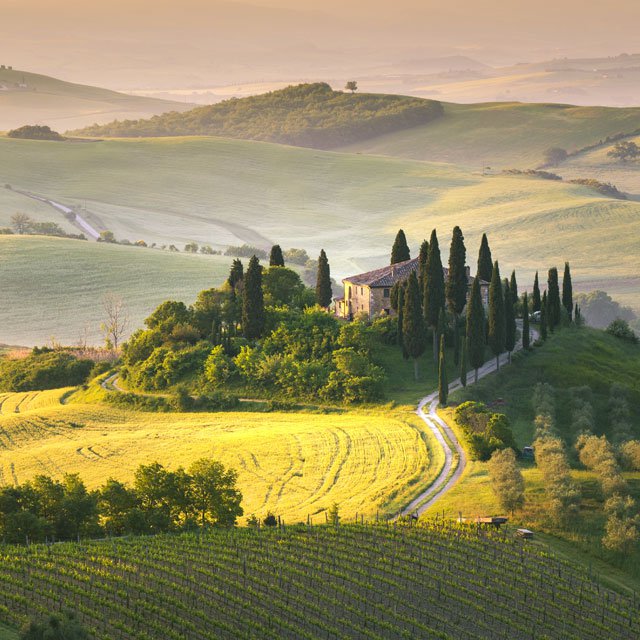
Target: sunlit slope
{"x": 292, "y": 464}
{"x": 30, "y": 98}
{"x": 503, "y": 134}
{"x": 53, "y": 287}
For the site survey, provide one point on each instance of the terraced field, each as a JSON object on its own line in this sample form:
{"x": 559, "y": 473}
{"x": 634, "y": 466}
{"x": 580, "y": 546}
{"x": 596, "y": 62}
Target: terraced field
{"x": 316, "y": 582}
{"x": 295, "y": 465}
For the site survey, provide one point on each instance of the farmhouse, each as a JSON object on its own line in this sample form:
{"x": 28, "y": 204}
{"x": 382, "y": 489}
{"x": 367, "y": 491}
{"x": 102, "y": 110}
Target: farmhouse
{"x": 370, "y": 292}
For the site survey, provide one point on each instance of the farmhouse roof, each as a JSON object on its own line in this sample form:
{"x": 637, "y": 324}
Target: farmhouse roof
{"x": 386, "y": 276}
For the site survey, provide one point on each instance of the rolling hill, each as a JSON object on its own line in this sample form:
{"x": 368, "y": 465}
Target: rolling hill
{"x": 30, "y": 98}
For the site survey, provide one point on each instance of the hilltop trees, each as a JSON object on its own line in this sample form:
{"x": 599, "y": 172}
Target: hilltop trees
{"x": 323, "y": 281}
{"x": 567, "y": 290}
{"x": 536, "y": 301}
{"x": 485, "y": 262}
{"x": 400, "y": 250}
{"x": 497, "y": 330}
{"x": 276, "y": 259}
{"x": 253, "y": 317}
{"x": 414, "y": 336}
{"x": 509, "y": 320}
{"x": 553, "y": 299}
{"x": 475, "y": 328}
{"x": 434, "y": 290}
{"x": 513, "y": 284}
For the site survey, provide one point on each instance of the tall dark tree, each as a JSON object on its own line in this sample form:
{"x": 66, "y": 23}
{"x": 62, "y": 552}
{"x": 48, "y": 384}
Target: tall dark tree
{"x": 509, "y": 320}
{"x": 475, "y": 328}
{"x": 422, "y": 264}
{"x": 434, "y": 291}
{"x": 553, "y": 299}
{"x": 253, "y": 317}
{"x": 414, "y": 335}
{"x": 276, "y": 259}
{"x": 485, "y": 262}
{"x": 526, "y": 338}
{"x": 457, "y": 284}
{"x": 401, "y": 290}
{"x": 567, "y": 291}
{"x": 544, "y": 316}
{"x": 236, "y": 275}
{"x": 323, "y": 281}
{"x": 443, "y": 383}
{"x": 536, "y": 300}
{"x": 497, "y": 332}
{"x": 513, "y": 284}
{"x": 464, "y": 365}
{"x": 400, "y": 250}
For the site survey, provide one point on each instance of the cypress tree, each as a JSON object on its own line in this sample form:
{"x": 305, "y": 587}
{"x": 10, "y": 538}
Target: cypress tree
{"x": 567, "y": 291}
{"x": 463, "y": 364}
{"x": 400, "y": 249}
{"x": 544, "y": 311}
{"x": 457, "y": 285}
{"x": 434, "y": 294}
{"x": 497, "y": 331}
{"x": 400, "y": 317}
{"x": 475, "y": 328}
{"x": 443, "y": 384}
{"x": 253, "y": 317}
{"x": 485, "y": 262}
{"x": 422, "y": 264}
{"x": 236, "y": 275}
{"x": 413, "y": 329}
{"x": 509, "y": 320}
{"x": 323, "y": 281}
{"x": 536, "y": 302}
{"x": 456, "y": 342}
{"x": 553, "y": 299}
{"x": 525, "y": 322}
{"x": 276, "y": 259}
{"x": 513, "y": 285}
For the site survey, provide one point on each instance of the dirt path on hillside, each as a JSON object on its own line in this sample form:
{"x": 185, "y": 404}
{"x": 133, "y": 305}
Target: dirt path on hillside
{"x": 455, "y": 457}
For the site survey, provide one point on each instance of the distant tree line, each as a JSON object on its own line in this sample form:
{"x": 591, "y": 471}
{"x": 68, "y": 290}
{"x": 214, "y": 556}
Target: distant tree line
{"x": 35, "y": 132}
{"x": 307, "y": 115}
{"x": 22, "y": 224}
{"x": 159, "y": 500}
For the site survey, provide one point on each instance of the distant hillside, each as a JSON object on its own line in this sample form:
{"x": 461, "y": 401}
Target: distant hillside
{"x": 29, "y": 98}
{"x": 306, "y": 115}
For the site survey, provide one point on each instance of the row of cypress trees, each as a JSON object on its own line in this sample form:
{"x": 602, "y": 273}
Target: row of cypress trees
{"x": 253, "y": 312}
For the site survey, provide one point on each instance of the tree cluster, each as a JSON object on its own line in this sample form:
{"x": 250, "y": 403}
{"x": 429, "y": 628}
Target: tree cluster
{"x": 35, "y": 132}
{"x": 159, "y": 500}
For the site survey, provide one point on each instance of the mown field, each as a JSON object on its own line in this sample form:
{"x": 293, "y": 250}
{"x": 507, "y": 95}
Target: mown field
{"x": 502, "y": 134}
{"x": 53, "y": 287}
{"x": 317, "y": 582}
{"x": 293, "y": 464}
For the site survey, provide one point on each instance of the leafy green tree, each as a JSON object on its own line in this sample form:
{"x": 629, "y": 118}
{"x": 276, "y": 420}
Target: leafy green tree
{"x": 475, "y": 341}
{"x": 506, "y": 479}
{"x": 544, "y": 316}
{"x": 400, "y": 250}
{"x": 567, "y": 291}
{"x": 443, "y": 383}
{"x": 422, "y": 263}
{"x": 434, "y": 290}
{"x": 485, "y": 262}
{"x": 214, "y": 493}
{"x": 116, "y": 502}
{"x": 21, "y": 223}
{"x": 54, "y": 628}
{"x": 276, "y": 259}
{"x": 352, "y": 86}
{"x": 323, "y": 281}
{"x": 497, "y": 328}
{"x": 509, "y": 320}
{"x": 413, "y": 329}
{"x": 525, "y": 322}
{"x": 282, "y": 286}
{"x": 253, "y": 317}
{"x": 554, "y": 156}
{"x": 536, "y": 300}
{"x": 624, "y": 151}
{"x": 553, "y": 299}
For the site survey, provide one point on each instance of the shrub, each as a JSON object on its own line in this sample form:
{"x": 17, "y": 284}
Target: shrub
{"x": 485, "y": 432}
{"x": 620, "y": 329}
{"x": 44, "y": 370}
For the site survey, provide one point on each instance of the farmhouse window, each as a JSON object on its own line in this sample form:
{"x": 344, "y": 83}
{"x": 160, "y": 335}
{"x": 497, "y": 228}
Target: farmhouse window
{"x": 385, "y": 293}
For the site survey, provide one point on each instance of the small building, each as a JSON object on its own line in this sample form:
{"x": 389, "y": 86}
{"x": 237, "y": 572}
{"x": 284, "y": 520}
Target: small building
{"x": 525, "y": 534}
{"x": 370, "y": 293}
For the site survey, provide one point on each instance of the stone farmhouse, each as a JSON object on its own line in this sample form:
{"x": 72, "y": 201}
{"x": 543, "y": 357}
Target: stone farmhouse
{"x": 370, "y": 292}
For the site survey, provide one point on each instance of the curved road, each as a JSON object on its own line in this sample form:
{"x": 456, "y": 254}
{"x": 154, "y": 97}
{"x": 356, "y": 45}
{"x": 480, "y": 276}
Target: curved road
{"x": 455, "y": 457}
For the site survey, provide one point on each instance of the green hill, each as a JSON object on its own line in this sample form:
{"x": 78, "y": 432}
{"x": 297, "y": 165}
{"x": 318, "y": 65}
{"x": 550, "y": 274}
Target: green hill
{"x": 30, "y": 98}
{"x": 54, "y": 287}
{"x": 318, "y": 582}
{"x": 307, "y": 115}
{"x": 502, "y": 134}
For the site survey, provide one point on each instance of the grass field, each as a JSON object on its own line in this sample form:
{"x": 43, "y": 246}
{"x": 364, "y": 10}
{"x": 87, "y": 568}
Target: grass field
{"x": 54, "y": 287}
{"x": 65, "y": 105}
{"x": 317, "y": 582}
{"x": 502, "y": 134}
{"x": 294, "y": 464}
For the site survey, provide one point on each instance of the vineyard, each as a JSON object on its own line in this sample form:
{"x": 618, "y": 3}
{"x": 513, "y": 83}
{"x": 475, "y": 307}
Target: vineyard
{"x": 375, "y": 581}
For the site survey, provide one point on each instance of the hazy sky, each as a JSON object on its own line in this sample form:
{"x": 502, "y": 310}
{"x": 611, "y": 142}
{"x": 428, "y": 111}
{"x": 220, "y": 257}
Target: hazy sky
{"x": 129, "y": 43}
